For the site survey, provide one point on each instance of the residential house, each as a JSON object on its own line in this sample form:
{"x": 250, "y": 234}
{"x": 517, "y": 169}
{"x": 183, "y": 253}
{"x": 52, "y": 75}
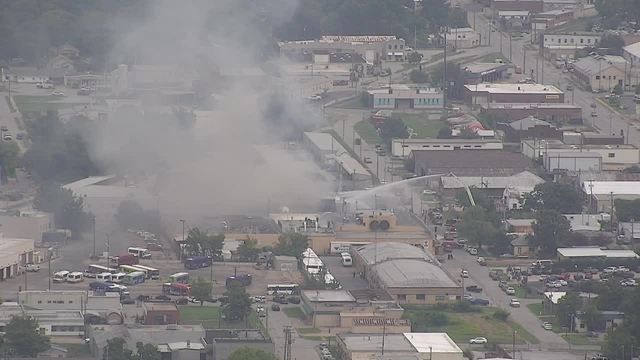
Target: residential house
{"x": 522, "y": 247}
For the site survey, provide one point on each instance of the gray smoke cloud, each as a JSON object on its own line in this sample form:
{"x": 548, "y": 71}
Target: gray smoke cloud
{"x": 233, "y": 158}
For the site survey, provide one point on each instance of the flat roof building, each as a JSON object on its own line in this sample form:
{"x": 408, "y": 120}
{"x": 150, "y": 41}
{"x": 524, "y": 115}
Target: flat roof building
{"x": 587, "y": 252}
{"x": 553, "y": 112}
{"x": 400, "y": 96}
{"x": 603, "y": 193}
{"x": 407, "y": 273}
{"x": 476, "y": 73}
{"x": 370, "y": 48}
{"x": 432, "y": 346}
{"x": 486, "y": 93}
{"x": 403, "y": 147}
{"x": 468, "y": 162}
{"x": 614, "y": 157}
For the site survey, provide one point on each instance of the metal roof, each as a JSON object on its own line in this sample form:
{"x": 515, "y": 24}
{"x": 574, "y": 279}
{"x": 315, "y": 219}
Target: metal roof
{"x": 328, "y": 296}
{"x": 581, "y": 252}
{"x": 495, "y": 88}
{"x": 324, "y": 141}
{"x": 380, "y": 252}
{"x": 522, "y": 179}
{"x": 527, "y": 123}
{"x": 593, "y": 65}
{"x": 633, "y": 49}
{"x": 412, "y": 273}
{"x": 432, "y": 342}
{"x": 611, "y": 187}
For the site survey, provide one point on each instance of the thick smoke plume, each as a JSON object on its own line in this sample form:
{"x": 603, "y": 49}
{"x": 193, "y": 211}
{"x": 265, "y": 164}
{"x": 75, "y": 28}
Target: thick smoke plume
{"x": 233, "y": 157}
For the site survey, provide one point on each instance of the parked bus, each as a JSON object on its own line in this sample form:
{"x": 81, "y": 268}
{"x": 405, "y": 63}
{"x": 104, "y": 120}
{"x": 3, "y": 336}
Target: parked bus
{"x": 176, "y": 289}
{"x": 182, "y": 278}
{"x": 60, "y": 276}
{"x": 117, "y": 278}
{"x": 141, "y": 253}
{"x": 134, "y": 278}
{"x": 127, "y": 269}
{"x": 105, "y": 276}
{"x": 127, "y": 259}
{"x": 75, "y": 277}
{"x": 152, "y": 273}
{"x": 94, "y": 270}
{"x": 346, "y": 259}
{"x": 238, "y": 280}
{"x": 284, "y": 289}
{"x": 197, "y": 262}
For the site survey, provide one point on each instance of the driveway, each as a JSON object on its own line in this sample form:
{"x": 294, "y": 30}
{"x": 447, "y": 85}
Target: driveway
{"x": 480, "y": 276}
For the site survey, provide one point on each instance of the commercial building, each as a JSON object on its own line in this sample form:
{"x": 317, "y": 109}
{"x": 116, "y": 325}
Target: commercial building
{"x": 468, "y": 162}
{"x": 571, "y": 40}
{"x": 593, "y": 138}
{"x": 602, "y": 194}
{"x": 514, "y": 19}
{"x": 614, "y": 157}
{"x": 476, "y": 73}
{"x": 50, "y": 322}
{"x": 371, "y": 48}
{"x": 588, "y": 222}
{"x": 494, "y": 186}
{"x": 594, "y": 253}
{"x": 400, "y": 96}
{"x": 553, "y": 112}
{"x": 600, "y": 72}
{"x": 463, "y": 38}
{"x": 407, "y": 273}
{"x": 147, "y": 334}
{"x": 404, "y": 147}
{"x": 532, "y": 6}
{"x": 551, "y": 19}
{"x": 512, "y": 93}
{"x": 432, "y": 346}
{"x": 14, "y": 254}
{"x": 160, "y": 313}
{"x": 632, "y": 54}
{"x": 530, "y": 127}
{"x": 572, "y": 161}
{"x": 354, "y": 312}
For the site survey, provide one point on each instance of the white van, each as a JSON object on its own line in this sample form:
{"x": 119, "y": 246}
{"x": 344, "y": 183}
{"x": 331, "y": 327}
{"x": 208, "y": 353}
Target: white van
{"x": 32, "y": 267}
{"x": 117, "y": 278}
{"x": 60, "y": 276}
{"x": 105, "y": 276}
{"x": 75, "y": 277}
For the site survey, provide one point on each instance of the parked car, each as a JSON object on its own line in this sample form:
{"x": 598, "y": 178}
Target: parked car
{"x": 510, "y": 291}
{"x": 182, "y": 301}
{"x": 478, "y": 340}
{"x": 464, "y": 274}
{"x": 547, "y": 326}
{"x": 57, "y": 93}
{"x": 275, "y": 307}
{"x": 481, "y": 261}
{"x": 32, "y": 268}
{"x": 473, "y": 251}
{"x": 474, "y": 288}
{"x": 478, "y": 301}
{"x": 467, "y": 297}
{"x": 514, "y": 303}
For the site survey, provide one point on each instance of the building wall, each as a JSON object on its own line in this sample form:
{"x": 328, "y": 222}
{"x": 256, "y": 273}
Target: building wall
{"x": 603, "y": 81}
{"x": 161, "y": 317}
{"x": 26, "y": 227}
{"x": 521, "y": 251}
{"x": 548, "y": 114}
{"x": 426, "y": 295}
{"x": 409, "y": 100}
{"x": 54, "y": 300}
{"x": 482, "y": 97}
{"x": 380, "y": 49}
{"x": 561, "y": 162}
{"x": 463, "y": 40}
{"x": 579, "y": 41}
{"x": 14, "y": 253}
{"x": 402, "y": 148}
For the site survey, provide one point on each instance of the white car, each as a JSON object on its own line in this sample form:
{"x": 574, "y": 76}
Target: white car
{"x": 609, "y": 270}
{"x": 478, "y": 340}
{"x": 547, "y": 326}
{"x": 511, "y": 291}
{"x": 473, "y": 251}
{"x": 57, "y": 93}
{"x": 467, "y": 297}
{"x": 32, "y": 268}
{"x": 464, "y": 274}
{"x": 563, "y": 282}
{"x": 514, "y": 303}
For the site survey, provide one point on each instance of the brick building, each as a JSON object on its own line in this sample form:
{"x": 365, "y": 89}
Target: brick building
{"x": 160, "y": 313}
{"x": 551, "y": 112}
{"x": 512, "y": 93}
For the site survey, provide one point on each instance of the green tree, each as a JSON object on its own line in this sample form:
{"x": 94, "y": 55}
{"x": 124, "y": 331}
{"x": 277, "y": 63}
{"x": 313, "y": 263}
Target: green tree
{"x": 550, "y": 230}
{"x": 476, "y": 226}
{"x": 22, "y": 337}
{"x": 627, "y": 210}
{"x": 418, "y": 77}
{"x": 147, "y": 351}
{"x": 291, "y": 244}
{"x": 618, "y": 89}
{"x": 248, "y": 250}
{"x": 248, "y": 353}
{"x": 393, "y": 128}
{"x": 591, "y": 315}
{"x": 201, "y": 290}
{"x": 414, "y": 57}
{"x": 116, "y": 350}
{"x": 566, "y": 309}
{"x": 199, "y": 242}
{"x": 613, "y": 43}
{"x": 479, "y": 197}
{"x": 554, "y": 196}
{"x": 67, "y": 209}
{"x": 239, "y": 305}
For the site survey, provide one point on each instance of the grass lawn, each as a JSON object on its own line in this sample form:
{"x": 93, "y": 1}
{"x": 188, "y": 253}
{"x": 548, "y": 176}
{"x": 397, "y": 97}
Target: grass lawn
{"x": 421, "y": 125}
{"x": 28, "y": 103}
{"x": 464, "y": 326}
{"x": 581, "y": 339}
{"x": 367, "y": 132}
{"x": 294, "y": 312}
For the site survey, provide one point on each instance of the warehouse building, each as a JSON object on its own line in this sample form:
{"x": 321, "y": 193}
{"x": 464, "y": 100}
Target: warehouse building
{"x": 431, "y": 346}
{"x": 601, "y": 72}
{"x": 468, "y": 162}
{"x": 407, "y": 273}
{"x": 553, "y": 112}
{"x": 512, "y": 93}
{"x": 404, "y": 147}
{"x": 614, "y": 157}
{"x": 602, "y": 194}
{"x": 14, "y": 254}
{"x": 592, "y": 253}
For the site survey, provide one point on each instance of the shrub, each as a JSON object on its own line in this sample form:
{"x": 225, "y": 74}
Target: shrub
{"x": 501, "y": 315}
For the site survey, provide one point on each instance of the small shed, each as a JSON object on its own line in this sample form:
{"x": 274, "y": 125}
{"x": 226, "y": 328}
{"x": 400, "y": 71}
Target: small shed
{"x": 285, "y": 263}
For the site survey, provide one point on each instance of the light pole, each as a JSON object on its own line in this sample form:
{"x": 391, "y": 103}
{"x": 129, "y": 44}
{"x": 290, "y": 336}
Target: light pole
{"x": 93, "y": 218}
{"x": 181, "y": 241}
{"x": 515, "y": 332}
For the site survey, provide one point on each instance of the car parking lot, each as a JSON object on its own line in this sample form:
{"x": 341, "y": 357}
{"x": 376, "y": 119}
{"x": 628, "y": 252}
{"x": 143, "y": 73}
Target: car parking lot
{"x": 344, "y": 275}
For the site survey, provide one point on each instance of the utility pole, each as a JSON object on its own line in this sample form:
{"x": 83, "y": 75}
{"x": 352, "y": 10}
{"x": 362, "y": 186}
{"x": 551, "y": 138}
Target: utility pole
{"x": 444, "y": 75}
{"x": 510, "y": 47}
{"x": 384, "y": 332}
{"x": 514, "y": 344}
{"x": 94, "y": 235}
{"x": 524, "y": 60}
{"x": 49, "y": 265}
{"x": 611, "y": 213}
{"x": 182, "y": 240}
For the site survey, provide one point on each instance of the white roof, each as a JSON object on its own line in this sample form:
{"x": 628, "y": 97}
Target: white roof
{"x": 493, "y": 88}
{"x": 620, "y": 254}
{"x": 554, "y": 296}
{"x": 435, "y": 342}
{"x": 608, "y": 187}
{"x": 633, "y": 49}
{"x": 351, "y": 165}
{"x": 581, "y": 252}
{"x": 523, "y": 179}
{"x": 324, "y": 141}
{"x": 513, "y": 12}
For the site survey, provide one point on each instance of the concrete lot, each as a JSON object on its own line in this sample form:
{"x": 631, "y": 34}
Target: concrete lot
{"x": 344, "y": 274}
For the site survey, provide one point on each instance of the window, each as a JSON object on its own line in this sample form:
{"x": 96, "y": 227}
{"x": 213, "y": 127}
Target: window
{"x": 39, "y": 301}
{"x": 597, "y": 77}
{"x": 439, "y": 297}
{"x": 581, "y": 41}
{"x": 389, "y": 47}
{"x": 565, "y": 41}
{"x": 611, "y": 155}
{"x": 588, "y": 41}
{"x": 401, "y": 46}
{"x": 614, "y": 77}
{"x": 420, "y": 297}
{"x": 395, "y": 46}
{"x": 572, "y": 40}
{"x": 70, "y": 301}
{"x": 402, "y": 297}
